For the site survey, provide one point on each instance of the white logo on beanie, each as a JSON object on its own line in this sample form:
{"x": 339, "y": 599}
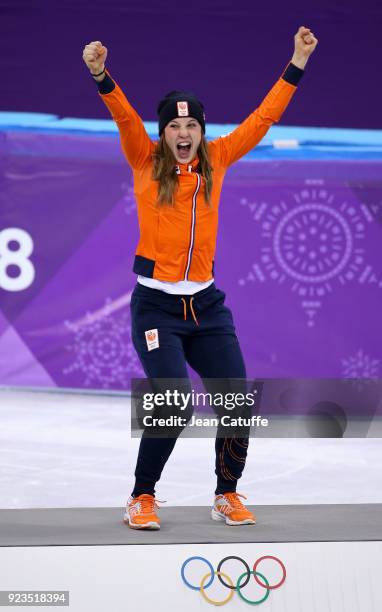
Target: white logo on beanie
{"x": 182, "y": 109}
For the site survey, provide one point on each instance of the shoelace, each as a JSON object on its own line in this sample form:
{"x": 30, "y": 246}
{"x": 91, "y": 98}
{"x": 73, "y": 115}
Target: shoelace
{"x": 234, "y": 500}
{"x": 147, "y": 502}
{"x": 191, "y": 308}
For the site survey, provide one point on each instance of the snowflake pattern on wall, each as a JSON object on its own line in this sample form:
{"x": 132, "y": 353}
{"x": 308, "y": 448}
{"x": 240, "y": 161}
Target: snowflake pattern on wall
{"x": 360, "y": 367}
{"x": 103, "y": 349}
{"x": 311, "y": 243}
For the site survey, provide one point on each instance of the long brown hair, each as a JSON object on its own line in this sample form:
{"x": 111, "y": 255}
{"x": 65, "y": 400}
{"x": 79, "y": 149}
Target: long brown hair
{"x": 164, "y": 172}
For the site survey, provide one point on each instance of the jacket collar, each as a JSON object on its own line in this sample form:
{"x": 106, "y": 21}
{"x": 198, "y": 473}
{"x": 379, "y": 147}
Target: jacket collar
{"x": 191, "y": 167}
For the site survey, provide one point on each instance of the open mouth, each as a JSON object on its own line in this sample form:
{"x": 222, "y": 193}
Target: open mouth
{"x": 183, "y": 149}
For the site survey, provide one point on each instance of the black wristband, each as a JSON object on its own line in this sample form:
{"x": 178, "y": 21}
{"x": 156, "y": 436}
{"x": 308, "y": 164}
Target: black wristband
{"x": 105, "y": 86}
{"x": 293, "y": 74}
{"x": 99, "y": 73}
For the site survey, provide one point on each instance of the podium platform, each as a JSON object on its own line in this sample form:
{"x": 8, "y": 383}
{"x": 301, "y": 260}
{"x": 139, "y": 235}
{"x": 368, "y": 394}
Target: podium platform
{"x": 332, "y": 556}
{"x": 191, "y": 524}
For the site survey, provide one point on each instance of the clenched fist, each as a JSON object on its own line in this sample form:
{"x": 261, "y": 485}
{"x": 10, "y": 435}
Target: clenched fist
{"x": 94, "y": 56}
{"x": 305, "y": 43}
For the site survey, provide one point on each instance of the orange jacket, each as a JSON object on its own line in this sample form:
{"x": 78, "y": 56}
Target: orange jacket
{"x": 178, "y": 243}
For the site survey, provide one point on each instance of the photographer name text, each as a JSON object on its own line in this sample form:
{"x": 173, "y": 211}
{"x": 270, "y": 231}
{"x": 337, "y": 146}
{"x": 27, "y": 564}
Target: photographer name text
{"x": 225, "y": 421}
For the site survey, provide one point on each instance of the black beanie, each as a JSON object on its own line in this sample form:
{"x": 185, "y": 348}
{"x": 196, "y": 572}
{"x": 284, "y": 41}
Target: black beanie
{"x": 180, "y": 104}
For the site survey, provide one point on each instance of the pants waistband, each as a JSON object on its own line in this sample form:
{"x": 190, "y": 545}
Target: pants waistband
{"x": 170, "y": 298}
{"x": 186, "y": 304}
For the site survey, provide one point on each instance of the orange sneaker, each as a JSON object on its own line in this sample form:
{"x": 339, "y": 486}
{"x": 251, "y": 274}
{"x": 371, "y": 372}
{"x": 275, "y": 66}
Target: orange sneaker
{"x": 229, "y": 508}
{"x": 140, "y": 512}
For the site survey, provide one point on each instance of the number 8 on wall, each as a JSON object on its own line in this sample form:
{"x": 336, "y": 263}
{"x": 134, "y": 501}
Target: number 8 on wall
{"x": 18, "y": 258}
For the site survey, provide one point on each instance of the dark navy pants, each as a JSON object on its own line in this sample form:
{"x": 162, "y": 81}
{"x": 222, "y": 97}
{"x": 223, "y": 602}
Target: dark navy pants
{"x": 210, "y": 347}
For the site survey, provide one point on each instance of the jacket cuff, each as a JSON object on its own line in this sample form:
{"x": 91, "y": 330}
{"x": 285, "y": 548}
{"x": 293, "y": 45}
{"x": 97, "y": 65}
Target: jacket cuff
{"x": 106, "y": 85}
{"x": 292, "y": 74}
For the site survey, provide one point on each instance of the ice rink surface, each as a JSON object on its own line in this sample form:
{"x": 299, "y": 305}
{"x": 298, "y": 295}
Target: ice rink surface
{"x": 63, "y": 449}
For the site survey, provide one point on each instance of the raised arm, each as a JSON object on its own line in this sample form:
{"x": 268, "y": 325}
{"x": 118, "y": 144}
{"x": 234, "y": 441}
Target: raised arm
{"x": 248, "y": 134}
{"x": 135, "y": 141}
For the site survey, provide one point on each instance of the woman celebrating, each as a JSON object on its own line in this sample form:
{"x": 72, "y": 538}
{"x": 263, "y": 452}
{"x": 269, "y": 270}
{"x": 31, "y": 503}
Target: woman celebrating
{"x": 178, "y": 314}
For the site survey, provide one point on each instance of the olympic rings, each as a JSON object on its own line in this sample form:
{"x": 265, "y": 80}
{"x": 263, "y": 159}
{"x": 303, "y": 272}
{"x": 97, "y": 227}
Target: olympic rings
{"x": 215, "y": 602}
{"x": 212, "y": 572}
{"x": 251, "y": 601}
{"x": 242, "y": 581}
{"x": 248, "y": 572}
{"x": 275, "y": 586}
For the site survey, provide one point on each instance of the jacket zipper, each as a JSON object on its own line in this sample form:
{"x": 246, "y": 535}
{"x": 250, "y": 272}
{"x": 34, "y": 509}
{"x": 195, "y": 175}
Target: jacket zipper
{"x": 193, "y": 221}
